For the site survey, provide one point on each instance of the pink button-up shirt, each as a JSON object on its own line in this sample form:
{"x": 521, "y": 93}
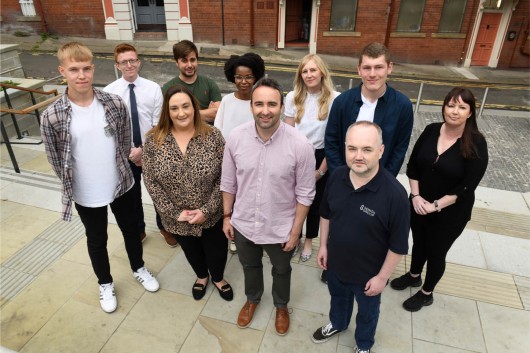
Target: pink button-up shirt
{"x": 267, "y": 179}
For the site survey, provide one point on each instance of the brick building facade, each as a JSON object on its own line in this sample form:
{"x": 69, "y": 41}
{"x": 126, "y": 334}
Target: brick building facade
{"x": 492, "y": 33}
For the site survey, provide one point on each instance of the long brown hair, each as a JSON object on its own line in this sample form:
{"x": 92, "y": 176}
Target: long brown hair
{"x": 468, "y": 149}
{"x": 300, "y": 89}
{"x": 163, "y": 128}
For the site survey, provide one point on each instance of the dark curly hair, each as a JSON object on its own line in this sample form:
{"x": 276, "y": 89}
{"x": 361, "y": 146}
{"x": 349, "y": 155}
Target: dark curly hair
{"x": 251, "y": 60}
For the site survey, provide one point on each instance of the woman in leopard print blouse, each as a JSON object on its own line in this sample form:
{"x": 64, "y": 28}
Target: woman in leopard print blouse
{"x": 182, "y": 159}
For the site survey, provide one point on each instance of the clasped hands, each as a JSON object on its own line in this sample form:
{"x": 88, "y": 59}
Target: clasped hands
{"x": 192, "y": 216}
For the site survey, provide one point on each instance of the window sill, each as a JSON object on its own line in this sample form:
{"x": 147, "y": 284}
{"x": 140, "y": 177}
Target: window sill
{"x": 28, "y": 19}
{"x": 407, "y": 35}
{"x": 449, "y": 35}
{"x": 341, "y": 34}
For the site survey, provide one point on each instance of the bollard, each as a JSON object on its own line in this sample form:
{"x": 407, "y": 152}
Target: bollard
{"x": 116, "y": 72}
{"x": 419, "y": 99}
{"x": 351, "y": 83}
{"x": 483, "y": 102}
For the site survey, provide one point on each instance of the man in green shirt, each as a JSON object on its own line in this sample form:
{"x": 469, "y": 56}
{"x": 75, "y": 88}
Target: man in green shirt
{"x": 204, "y": 89}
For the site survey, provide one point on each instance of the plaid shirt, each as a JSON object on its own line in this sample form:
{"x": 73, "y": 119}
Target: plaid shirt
{"x": 55, "y": 132}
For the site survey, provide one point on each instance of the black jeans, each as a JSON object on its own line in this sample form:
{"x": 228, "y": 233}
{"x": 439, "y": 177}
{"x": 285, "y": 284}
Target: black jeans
{"x": 95, "y": 221}
{"x": 137, "y": 192}
{"x": 207, "y": 253}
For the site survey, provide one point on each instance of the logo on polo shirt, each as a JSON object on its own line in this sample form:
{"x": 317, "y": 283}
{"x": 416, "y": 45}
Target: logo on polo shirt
{"x": 368, "y": 211}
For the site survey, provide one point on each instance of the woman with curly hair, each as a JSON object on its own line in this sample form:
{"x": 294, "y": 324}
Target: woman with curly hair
{"x": 235, "y": 110}
{"x": 307, "y": 109}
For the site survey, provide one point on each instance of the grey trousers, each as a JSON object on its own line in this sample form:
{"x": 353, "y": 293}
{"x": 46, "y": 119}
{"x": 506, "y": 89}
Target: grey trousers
{"x": 250, "y": 256}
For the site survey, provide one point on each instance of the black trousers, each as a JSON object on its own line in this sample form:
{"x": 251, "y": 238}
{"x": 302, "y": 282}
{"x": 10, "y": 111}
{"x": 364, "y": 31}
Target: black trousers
{"x": 432, "y": 242}
{"x": 206, "y": 254}
{"x": 137, "y": 192}
{"x": 312, "y": 224}
{"x": 95, "y": 221}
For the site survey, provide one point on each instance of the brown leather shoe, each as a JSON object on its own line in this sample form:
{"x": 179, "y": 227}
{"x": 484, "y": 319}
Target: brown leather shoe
{"x": 246, "y": 314}
{"x": 170, "y": 239}
{"x": 282, "y": 321}
{"x": 142, "y": 236}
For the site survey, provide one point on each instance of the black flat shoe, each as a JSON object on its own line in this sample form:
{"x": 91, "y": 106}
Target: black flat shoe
{"x": 226, "y": 292}
{"x": 199, "y": 290}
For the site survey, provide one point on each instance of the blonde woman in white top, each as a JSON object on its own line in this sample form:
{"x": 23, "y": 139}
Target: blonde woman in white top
{"x": 307, "y": 109}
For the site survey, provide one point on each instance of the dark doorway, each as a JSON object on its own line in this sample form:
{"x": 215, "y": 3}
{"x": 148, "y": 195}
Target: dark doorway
{"x": 150, "y": 15}
{"x": 297, "y": 23}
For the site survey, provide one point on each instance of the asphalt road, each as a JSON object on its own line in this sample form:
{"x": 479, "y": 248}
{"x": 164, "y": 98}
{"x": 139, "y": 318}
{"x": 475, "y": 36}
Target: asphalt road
{"x": 162, "y": 69}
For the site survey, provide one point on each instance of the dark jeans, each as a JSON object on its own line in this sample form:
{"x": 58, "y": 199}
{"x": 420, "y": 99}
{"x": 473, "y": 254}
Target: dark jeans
{"x": 207, "y": 253}
{"x": 250, "y": 256}
{"x": 137, "y": 192}
{"x": 432, "y": 242}
{"x": 342, "y": 297}
{"x": 312, "y": 224}
{"x": 95, "y": 221}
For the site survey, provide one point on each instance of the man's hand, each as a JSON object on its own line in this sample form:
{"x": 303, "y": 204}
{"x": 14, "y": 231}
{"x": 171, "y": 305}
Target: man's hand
{"x": 294, "y": 239}
{"x": 135, "y": 156}
{"x": 322, "y": 258}
{"x": 228, "y": 229}
{"x": 375, "y": 286}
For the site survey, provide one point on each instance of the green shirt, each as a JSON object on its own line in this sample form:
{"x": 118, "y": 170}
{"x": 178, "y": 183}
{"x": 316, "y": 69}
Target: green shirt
{"x": 204, "y": 89}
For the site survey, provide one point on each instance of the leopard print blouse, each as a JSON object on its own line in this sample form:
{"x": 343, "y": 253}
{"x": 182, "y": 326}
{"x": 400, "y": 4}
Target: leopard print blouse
{"x": 178, "y": 182}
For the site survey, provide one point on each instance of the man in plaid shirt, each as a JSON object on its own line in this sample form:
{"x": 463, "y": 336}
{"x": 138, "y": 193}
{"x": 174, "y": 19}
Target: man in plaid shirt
{"x": 87, "y": 137}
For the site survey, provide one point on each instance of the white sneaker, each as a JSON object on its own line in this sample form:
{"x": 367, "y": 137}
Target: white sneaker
{"x": 147, "y": 279}
{"x": 107, "y": 298}
{"x": 232, "y": 247}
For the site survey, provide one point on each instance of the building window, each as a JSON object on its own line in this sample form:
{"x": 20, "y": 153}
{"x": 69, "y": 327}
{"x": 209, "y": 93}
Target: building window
{"x": 492, "y": 4}
{"x": 27, "y": 8}
{"x": 343, "y": 13}
{"x": 452, "y": 15}
{"x": 410, "y": 15}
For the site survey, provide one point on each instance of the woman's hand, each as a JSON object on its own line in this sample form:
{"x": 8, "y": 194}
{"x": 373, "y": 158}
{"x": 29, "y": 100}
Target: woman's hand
{"x": 422, "y": 206}
{"x": 184, "y": 216}
{"x": 196, "y": 217}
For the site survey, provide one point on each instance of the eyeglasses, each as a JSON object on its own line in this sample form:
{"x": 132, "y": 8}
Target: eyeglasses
{"x": 246, "y": 78}
{"x": 130, "y": 62}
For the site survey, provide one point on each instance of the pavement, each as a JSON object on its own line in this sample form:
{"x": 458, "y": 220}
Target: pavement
{"x": 49, "y": 294}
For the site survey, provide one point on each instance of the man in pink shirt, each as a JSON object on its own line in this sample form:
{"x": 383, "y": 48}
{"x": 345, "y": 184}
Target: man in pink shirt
{"x": 268, "y": 184}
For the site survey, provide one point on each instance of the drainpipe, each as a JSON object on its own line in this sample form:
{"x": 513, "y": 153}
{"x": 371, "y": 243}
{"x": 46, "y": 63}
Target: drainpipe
{"x": 277, "y": 27}
{"x": 389, "y": 16}
{"x": 468, "y": 39}
{"x": 223, "y": 20}
{"x": 251, "y": 41}
{"x": 41, "y": 14}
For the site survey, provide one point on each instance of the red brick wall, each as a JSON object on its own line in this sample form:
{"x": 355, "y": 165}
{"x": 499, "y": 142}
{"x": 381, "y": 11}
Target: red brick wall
{"x": 73, "y": 18}
{"x": 206, "y": 19}
{"x": 516, "y": 53}
{"x": 10, "y": 10}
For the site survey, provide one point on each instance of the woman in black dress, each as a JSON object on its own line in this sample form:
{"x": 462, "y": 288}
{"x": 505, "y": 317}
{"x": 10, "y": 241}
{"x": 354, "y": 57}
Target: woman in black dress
{"x": 446, "y": 165}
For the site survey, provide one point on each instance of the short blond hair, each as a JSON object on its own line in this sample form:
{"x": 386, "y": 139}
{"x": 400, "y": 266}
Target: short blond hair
{"x": 74, "y": 51}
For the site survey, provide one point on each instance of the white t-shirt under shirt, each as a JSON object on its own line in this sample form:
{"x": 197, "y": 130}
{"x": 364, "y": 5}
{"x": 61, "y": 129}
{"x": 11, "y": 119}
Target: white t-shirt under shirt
{"x": 94, "y": 169}
{"x": 310, "y": 126}
{"x": 367, "y": 111}
{"x": 232, "y": 112}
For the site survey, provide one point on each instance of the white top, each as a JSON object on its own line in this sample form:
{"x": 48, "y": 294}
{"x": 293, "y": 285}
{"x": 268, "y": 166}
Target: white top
{"x": 149, "y": 101}
{"x": 231, "y": 113}
{"x": 367, "y": 111}
{"x": 94, "y": 169}
{"x": 310, "y": 126}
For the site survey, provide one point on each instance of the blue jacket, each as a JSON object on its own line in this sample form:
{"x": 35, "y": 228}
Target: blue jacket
{"x": 393, "y": 114}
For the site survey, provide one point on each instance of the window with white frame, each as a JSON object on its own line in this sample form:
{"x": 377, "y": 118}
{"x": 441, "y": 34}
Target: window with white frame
{"x": 343, "y": 14}
{"x": 27, "y": 7}
{"x": 452, "y": 15}
{"x": 410, "y": 15}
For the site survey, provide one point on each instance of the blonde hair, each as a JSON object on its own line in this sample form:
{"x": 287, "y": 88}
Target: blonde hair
{"x": 300, "y": 89}
{"x": 74, "y": 51}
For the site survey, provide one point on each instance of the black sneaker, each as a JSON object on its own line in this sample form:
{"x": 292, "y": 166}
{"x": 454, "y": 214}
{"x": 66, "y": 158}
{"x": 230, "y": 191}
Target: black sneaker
{"x": 324, "y": 333}
{"x": 405, "y": 281}
{"x": 324, "y": 276}
{"x": 418, "y": 301}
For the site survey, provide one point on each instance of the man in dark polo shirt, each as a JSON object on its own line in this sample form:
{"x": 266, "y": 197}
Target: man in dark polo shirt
{"x": 364, "y": 227}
